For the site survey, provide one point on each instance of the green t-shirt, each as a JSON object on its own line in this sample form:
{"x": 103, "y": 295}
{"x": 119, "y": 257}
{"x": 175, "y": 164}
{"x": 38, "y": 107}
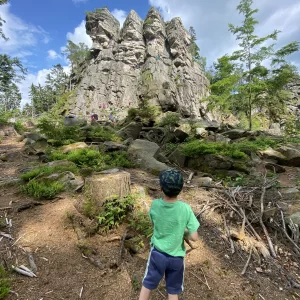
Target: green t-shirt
{"x": 170, "y": 219}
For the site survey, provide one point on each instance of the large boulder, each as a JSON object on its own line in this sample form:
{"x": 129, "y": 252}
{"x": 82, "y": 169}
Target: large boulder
{"x": 178, "y": 158}
{"x": 235, "y": 134}
{"x": 272, "y": 154}
{"x": 143, "y": 153}
{"x": 295, "y": 218}
{"x": 68, "y": 179}
{"x": 291, "y": 154}
{"x": 132, "y": 130}
{"x": 110, "y": 146}
{"x": 102, "y": 187}
{"x": 72, "y": 147}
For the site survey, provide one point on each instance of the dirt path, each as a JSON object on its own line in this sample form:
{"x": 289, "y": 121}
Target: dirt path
{"x": 211, "y": 271}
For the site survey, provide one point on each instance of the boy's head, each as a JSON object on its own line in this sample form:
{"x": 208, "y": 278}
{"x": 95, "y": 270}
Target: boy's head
{"x": 171, "y": 182}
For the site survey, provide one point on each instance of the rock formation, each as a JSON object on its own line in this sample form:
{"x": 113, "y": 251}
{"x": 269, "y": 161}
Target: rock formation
{"x": 145, "y": 60}
{"x": 294, "y": 101}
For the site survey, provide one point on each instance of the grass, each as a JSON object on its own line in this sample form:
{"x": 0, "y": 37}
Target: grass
{"x": 171, "y": 119}
{"x": 47, "y": 170}
{"x": 4, "y": 283}
{"x": 237, "y": 150}
{"x": 89, "y": 158}
{"x": 42, "y": 189}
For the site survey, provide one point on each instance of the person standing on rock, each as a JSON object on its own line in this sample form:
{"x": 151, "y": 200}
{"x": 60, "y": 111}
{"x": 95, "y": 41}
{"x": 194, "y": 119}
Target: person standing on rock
{"x": 173, "y": 220}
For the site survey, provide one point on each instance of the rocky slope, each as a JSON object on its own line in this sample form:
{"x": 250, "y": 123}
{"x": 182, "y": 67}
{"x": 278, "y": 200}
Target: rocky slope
{"x": 145, "y": 60}
{"x": 294, "y": 101}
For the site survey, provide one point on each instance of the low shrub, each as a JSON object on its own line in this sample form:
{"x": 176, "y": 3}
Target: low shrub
{"x": 236, "y": 150}
{"x": 54, "y": 128}
{"x": 47, "y": 170}
{"x": 171, "y": 119}
{"x": 145, "y": 112}
{"x": 140, "y": 222}
{"x": 98, "y": 161}
{"x": 4, "y": 283}
{"x": 115, "y": 211}
{"x": 43, "y": 189}
{"x": 103, "y": 133}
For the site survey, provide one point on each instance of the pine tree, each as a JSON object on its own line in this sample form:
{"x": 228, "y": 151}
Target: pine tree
{"x": 2, "y": 21}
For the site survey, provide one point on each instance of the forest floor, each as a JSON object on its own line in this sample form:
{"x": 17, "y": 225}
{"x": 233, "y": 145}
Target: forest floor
{"x": 212, "y": 272}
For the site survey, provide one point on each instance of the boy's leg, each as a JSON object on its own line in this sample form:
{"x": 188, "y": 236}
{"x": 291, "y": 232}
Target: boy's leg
{"x": 145, "y": 294}
{"x": 174, "y": 277}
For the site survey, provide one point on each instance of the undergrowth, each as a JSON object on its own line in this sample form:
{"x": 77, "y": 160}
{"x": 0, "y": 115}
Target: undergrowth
{"x": 47, "y": 170}
{"x": 42, "y": 189}
{"x": 236, "y": 150}
{"x": 115, "y": 211}
{"x": 4, "y": 283}
{"x": 103, "y": 134}
{"x": 140, "y": 222}
{"x": 96, "y": 160}
{"x": 170, "y": 119}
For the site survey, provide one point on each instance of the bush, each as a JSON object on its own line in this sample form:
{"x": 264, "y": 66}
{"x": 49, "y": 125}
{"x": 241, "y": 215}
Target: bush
{"x": 43, "y": 189}
{"x": 171, "y": 119}
{"x": 19, "y": 127}
{"x": 88, "y": 158}
{"x": 115, "y": 211}
{"x": 236, "y": 150}
{"x": 140, "y": 222}
{"x": 103, "y": 133}
{"x": 4, "y": 283}
{"x": 145, "y": 111}
{"x": 117, "y": 159}
{"x": 47, "y": 170}
{"x": 55, "y": 129}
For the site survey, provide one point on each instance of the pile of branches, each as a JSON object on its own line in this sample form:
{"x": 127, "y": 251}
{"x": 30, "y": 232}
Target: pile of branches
{"x": 248, "y": 206}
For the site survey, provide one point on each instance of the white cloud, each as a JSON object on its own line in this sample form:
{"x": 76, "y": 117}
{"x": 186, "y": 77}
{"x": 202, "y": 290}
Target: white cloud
{"x": 21, "y": 34}
{"x": 53, "y": 55}
{"x": 210, "y": 20}
{"x": 79, "y": 35}
{"x": 120, "y": 15}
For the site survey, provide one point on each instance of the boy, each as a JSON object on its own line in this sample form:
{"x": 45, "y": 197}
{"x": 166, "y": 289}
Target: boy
{"x": 170, "y": 218}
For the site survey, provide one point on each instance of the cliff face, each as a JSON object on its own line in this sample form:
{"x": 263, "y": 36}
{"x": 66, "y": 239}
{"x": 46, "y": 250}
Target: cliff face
{"x": 294, "y": 100}
{"x": 145, "y": 60}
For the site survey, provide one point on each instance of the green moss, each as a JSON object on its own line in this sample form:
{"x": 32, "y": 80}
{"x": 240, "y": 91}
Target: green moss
{"x": 171, "y": 119}
{"x": 103, "y": 134}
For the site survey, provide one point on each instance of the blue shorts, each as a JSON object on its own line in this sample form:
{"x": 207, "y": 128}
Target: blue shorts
{"x": 160, "y": 264}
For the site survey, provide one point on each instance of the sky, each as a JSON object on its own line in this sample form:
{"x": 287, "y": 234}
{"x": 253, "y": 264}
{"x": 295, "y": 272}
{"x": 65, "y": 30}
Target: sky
{"x": 39, "y": 30}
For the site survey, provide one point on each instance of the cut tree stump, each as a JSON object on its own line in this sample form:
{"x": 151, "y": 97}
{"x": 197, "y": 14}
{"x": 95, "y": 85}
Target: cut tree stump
{"x": 102, "y": 187}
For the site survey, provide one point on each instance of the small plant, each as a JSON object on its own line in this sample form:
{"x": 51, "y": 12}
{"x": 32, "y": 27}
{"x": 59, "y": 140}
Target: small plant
{"x": 117, "y": 159}
{"x": 19, "y": 127}
{"x": 145, "y": 112}
{"x": 4, "y": 283}
{"x": 103, "y": 134}
{"x": 47, "y": 170}
{"x": 140, "y": 222}
{"x": 171, "y": 119}
{"x": 115, "y": 211}
{"x": 135, "y": 282}
{"x": 89, "y": 208}
{"x": 148, "y": 22}
{"x": 42, "y": 189}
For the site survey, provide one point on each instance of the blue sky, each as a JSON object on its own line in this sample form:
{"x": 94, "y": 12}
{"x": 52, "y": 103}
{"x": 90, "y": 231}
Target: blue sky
{"x": 39, "y": 29}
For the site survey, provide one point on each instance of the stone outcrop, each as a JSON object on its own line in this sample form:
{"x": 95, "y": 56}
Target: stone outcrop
{"x": 145, "y": 60}
{"x": 294, "y": 99}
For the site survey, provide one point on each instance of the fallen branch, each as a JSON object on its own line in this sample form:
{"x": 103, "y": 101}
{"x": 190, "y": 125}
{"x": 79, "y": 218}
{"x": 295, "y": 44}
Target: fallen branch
{"x": 228, "y": 236}
{"x": 190, "y": 178}
{"x": 80, "y": 293}
{"x": 27, "y": 270}
{"x": 28, "y": 205}
{"x": 22, "y": 272}
{"x": 161, "y": 293}
{"x": 248, "y": 261}
{"x": 205, "y": 278}
{"x": 198, "y": 278}
{"x": 8, "y": 236}
{"x": 32, "y": 263}
{"x": 273, "y": 253}
{"x": 122, "y": 247}
{"x": 5, "y": 208}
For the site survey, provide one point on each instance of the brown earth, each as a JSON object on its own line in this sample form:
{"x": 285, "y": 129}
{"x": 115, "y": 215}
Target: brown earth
{"x": 212, "y": 272}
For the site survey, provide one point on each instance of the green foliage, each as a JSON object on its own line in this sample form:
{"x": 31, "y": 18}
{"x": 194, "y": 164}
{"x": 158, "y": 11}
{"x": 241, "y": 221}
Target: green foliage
{"x": 170, "y": 147}
{"x": 171, "y": 119}
{"x": 11, "y": 73}
{"x": 97, "y": 160}
{"x": 140, "y": 222}
{"x": 135, "y": 282}
{"x": 115, "y": 211}
{"x": 103, "y": 134}
{"x": 47, "y": 170}
{"x": 54, "y": 128}
{"x": 148, "y": 22}
{"x": 236, "y": 150}
{"x": 4, "y": 283}
{"x": 19, "y": 127}
{"x": 242, "y": 83}
{"x": 145, "y": 112}
{"x": 43, "y": 189}
{"x": 194, "y": 49}
{"x": 89, "y": 207}
{"x": 117, "y": 159}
